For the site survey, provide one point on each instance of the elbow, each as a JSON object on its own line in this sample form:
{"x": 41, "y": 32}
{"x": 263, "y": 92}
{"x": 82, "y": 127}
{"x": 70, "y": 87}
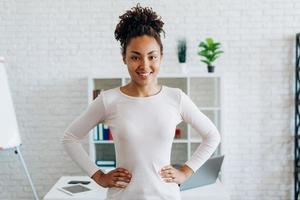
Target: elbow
{"x": 217, "y": 136}
{"x": 214, "y": 137}
{"x": 67, "y": 138}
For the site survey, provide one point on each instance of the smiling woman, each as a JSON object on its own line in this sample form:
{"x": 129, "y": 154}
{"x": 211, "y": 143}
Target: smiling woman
{"x": 143, "y": 59}
{"x": 142, "y": 117}
{"x": 141, "y": 48}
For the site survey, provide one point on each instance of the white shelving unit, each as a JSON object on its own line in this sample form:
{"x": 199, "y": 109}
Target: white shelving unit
{"x": 204, "y": 89}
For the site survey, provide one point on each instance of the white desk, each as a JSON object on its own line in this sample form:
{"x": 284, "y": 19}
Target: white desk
{"x": 214, "y": 191}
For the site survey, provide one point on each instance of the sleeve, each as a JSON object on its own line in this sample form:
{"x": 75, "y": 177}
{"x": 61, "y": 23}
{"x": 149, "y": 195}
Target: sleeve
{"x": 191, "y": 114}
{"x": 79, "y": 129}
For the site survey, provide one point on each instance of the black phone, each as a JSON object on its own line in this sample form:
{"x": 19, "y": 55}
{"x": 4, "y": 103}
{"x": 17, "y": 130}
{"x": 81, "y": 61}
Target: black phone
{"x": 76, "y": 182}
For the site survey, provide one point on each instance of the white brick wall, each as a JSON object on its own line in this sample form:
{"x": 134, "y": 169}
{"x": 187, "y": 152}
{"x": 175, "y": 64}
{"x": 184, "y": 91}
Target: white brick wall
{"x": 51, "y": 46}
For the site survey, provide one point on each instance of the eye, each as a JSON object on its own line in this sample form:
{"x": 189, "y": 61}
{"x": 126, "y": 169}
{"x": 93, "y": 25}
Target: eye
{"x": 134, "y": 58}
{"x": 152, "y": 57}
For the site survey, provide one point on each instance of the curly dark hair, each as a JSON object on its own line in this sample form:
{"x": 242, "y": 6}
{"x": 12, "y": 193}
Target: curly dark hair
{"x": 136, "y": 22}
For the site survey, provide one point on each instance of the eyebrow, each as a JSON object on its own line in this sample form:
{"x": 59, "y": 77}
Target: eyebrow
{"x": 140, "y": 54}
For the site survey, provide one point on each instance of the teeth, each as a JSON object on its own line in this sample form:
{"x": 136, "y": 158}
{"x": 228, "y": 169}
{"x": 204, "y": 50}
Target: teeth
{"x": 144, "y": 74}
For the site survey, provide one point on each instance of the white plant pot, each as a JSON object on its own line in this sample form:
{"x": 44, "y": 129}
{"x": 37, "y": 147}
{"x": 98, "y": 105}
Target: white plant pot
{"x": 183, "y": 67}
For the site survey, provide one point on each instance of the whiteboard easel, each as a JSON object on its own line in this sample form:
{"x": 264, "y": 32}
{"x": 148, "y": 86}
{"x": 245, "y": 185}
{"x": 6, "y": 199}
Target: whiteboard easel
{"x": 9, "y": 130}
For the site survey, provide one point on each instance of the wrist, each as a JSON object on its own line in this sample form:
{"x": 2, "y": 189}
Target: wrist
{"x": 186, "y": 170}
{"x": 97, "y": 175}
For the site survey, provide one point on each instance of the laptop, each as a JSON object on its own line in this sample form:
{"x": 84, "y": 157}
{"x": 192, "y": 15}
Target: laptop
{"x": 205, "y": 175}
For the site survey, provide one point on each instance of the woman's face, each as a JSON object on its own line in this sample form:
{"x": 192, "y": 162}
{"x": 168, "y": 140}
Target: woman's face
{"x": 143, "y": 59}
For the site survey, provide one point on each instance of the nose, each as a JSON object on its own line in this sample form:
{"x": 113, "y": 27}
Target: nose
{"x": 144, "y": 63}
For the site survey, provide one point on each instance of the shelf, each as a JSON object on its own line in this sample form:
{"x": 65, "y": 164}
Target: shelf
{"x": 180, "y": 141}
{"x": 105, "y": 152}
{"x": 179, "y": 153}
{"x": 177, "y": 82}
{"x": 203, "y": 89}
{"x": 195, "y": 140}
{"x": 103, "y": 142}
{"x": 205, "y": 92}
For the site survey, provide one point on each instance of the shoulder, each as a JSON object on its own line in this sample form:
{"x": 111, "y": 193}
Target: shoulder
{"x": 110, "y": 95}
{"x": 173, "y": 93}
{"x": 177, "y": 96}
{"x": 110, "y": 92}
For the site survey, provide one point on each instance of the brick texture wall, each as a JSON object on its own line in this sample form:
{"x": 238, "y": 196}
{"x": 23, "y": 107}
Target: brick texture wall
{"x": 51, "y": 46}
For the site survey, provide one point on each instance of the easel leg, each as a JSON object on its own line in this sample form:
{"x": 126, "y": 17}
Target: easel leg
{"x": 17, "y": 151}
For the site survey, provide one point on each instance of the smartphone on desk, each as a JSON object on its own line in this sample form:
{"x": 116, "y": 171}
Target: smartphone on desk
{"x": 81, "y": 182}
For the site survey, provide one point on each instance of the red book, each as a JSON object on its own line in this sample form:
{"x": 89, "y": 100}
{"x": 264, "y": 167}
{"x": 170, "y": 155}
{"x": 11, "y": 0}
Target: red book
{"x": 178, "y": 133}
{"x": 110, "y": 135}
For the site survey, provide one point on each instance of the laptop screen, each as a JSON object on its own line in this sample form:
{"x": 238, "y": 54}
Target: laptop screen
{"x": 205, "y": 175}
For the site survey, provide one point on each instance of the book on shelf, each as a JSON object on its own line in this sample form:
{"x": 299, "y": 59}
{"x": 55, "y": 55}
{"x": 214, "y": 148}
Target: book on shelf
{"x": 105, "y": 162}
{"x": 105, "y": 132}
{"x": 110, "y": 135}
{"x": 95, "y": 134}
{"x": 177, "y": 133}
{"x": 101, "y": 131}
{"x": 96, "y": 93}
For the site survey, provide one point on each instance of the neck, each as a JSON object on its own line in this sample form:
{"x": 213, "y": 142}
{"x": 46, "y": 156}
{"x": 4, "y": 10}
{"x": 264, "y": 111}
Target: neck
{"x": 145, "y": 90}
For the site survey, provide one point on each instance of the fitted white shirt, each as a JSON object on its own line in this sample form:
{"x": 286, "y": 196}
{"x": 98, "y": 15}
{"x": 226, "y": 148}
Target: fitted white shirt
{"x": 143, "y": 130}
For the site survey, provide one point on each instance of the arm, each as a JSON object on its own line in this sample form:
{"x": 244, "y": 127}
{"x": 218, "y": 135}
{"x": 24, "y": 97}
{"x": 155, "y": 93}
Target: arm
{"x": 79, "y": 129}
{"x": 211, "y": 138}
{"x": 191, "y": 114}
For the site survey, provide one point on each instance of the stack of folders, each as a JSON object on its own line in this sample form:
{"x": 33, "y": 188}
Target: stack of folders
{"x": 106, "y": 165}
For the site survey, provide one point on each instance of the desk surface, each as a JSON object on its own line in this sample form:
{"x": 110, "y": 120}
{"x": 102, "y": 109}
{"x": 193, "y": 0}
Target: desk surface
{"x": 214, "y": 191}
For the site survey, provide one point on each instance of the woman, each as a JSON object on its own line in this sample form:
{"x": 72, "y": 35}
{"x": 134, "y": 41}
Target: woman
{"x": 142, "y": 116}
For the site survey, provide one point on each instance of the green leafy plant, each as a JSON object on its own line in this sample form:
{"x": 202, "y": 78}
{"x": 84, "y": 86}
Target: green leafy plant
{"x": 210, "y": 51}
{"x": 181, "y": 47}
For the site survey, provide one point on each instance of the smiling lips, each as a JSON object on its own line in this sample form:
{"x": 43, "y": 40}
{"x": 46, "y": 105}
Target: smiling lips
{"x": 144, "y": 74}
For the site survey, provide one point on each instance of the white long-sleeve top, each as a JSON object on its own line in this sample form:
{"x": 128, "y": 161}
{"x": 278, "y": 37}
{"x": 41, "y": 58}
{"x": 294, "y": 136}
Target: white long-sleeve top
{"x": 143, "y": 130}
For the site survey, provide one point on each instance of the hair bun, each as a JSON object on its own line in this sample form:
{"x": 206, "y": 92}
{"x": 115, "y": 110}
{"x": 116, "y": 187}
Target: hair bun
{"x": 147, "y": 17}
{"x": 138, "y": 18}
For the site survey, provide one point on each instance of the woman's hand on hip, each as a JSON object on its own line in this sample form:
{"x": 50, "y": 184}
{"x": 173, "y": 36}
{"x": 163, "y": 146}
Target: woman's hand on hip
{"x": 173, "y": 175}
{"x": 118, "y": 178}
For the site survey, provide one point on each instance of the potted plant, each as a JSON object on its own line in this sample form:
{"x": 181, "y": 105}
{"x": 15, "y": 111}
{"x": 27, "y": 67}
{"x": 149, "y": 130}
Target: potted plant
{"x": 210, "y": 51}
{"x": 181, "y": 50}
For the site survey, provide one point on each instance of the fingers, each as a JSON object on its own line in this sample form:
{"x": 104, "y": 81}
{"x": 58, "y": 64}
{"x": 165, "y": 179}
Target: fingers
{"x": 125, "y": 179}
{"x": 121, "y": 174}
{"x": 168, "y": 173}
{"x": 120, "y": 169}
{"x": 167, "y": 167}
{"x": 121, "y": 178}
{"x": 121, "y": 184}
